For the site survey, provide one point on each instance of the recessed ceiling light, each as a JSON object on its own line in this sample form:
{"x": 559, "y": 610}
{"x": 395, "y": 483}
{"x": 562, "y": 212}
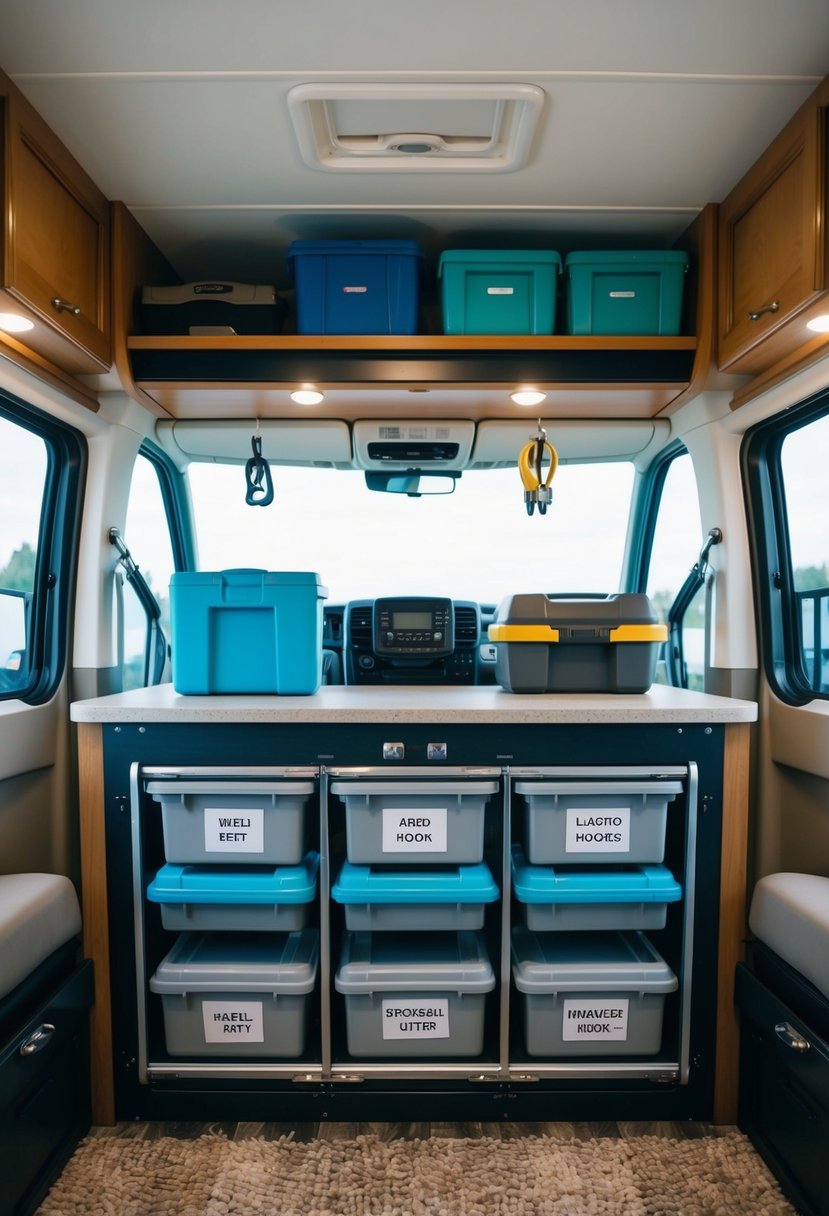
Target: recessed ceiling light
{"x": 14, "y": 323}
{"x": 820, "y": 324}
{"x": 307, "y": 396}
{"x": 527, "y": 396}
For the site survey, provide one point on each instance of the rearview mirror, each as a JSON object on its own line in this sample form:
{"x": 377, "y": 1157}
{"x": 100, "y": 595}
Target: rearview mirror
{"x": 413, "y": 482}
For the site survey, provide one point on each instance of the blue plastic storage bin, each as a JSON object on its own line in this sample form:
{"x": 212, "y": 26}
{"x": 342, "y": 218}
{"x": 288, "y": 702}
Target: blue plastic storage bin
{"x": 557, "y": 898}
{"x": 486, "y": 291}
{"x": 625, "y": 292}
{"x": 235, "y": 898}
{"x": 356, "y": 287}
{"x": 453, "y": 897}
{"x": 246, "y": 631}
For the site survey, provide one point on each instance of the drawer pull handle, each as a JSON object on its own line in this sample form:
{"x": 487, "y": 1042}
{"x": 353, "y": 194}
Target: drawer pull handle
{"x": 61, "y": 305}
{"x": 761, "y": 312}
{"x": 787, "y": 1033}
{"x": 37, "y": 1040}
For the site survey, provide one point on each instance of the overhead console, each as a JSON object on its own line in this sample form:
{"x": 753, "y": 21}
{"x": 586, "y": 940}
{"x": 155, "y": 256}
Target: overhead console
{"x": 415, "y": 640}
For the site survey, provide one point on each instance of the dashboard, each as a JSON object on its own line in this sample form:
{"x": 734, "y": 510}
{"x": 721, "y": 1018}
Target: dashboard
{"x": 408, "y": 639}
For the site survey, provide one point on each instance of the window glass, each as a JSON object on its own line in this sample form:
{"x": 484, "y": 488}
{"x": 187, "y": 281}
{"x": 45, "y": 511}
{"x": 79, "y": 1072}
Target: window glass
{"x": 24, "y": 464}
{"x": 677, "y": 541}
{"x": 147, "y": 536}
{"x": 478, "y": 543}
{"x": 803, "y": 456}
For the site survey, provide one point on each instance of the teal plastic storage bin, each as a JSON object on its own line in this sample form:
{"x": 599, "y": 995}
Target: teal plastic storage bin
{"x": 485, "y": 291}
{"x": 356, "y": 287}
{"x": 561, "y": 898}
{"x": 237, "y": 995}
{"x": 243, "y": 899}
{"x": 418, "y": 996}
{"x": 625, "y": 292}
{"x": 453, "y": 897}
{"x": 590, "y": 994}
{"x": 246, "y": 631}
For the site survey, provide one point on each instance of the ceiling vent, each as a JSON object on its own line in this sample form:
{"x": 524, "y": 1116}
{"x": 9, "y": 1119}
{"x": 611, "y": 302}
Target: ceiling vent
{"x": 408, "y": 128}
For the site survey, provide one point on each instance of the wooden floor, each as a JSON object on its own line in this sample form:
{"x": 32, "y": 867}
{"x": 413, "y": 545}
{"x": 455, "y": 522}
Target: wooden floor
{"x": 411, "y": 1131}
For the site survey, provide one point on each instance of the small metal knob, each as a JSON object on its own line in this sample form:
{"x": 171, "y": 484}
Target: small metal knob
{"x": 761, "y": 312}
{"x": 791, "y": 1037}
{"x": 61, "y": 305}
{"x": 37, "y": 1039}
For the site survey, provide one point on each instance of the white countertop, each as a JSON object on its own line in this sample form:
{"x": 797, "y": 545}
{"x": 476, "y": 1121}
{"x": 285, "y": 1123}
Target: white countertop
{"x": 459, "y": 705}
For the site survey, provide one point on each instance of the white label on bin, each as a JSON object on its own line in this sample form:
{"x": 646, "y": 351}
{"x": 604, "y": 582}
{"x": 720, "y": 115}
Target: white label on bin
{"x": 605, "y": 830}
{"x": 500, "y": 291}
{"x": 352, "y": 290}
{"x": 622, "y": 295}
{"x": 605, "y": 1019}
{"x": 413, "y": 830}
{"x": 233, "y": 1022}
{"x": 426, "y": 1019}
{"x": 234, "y": 831}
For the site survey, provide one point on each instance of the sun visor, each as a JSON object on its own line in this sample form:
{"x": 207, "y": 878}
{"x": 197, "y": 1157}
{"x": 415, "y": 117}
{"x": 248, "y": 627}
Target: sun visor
{"x": 498, "y": 441}
{"x": 323, "y": 442}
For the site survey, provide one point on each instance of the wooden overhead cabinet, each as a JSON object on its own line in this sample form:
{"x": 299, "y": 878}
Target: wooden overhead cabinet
{"x": 56, "y": 243}
{"x": 774, "y": 257}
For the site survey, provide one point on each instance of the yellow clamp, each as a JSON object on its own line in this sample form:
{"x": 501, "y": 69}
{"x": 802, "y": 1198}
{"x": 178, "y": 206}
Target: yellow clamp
{"x": 537, "y": 487}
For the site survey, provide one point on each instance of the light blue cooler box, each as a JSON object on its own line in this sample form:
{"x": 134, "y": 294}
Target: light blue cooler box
{"x": 356, "y": 287}
{"x": 419, "y": 996}
{"x": 561, "y": 898}
{"x": 625, "y": 292}
{"x": 238, "y": 995}
{"x": 414, "y": 900}
{"x": 487, "y": 291}
{"x": 590, "y": 994}
{"x": 227, "y": 898}
{"x": 246, "y": 631}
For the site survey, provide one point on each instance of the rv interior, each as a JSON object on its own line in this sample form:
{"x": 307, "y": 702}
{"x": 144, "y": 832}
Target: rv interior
{"x": 439, "y": 509}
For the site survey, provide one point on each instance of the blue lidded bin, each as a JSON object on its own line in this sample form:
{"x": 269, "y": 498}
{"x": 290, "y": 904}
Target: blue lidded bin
{"x": 561, "y": 898}
{"x": 248, "y": 898}
{"x": 246, "y": 631}
{"x": 378, "y": 898}
{"x": 487, "y": 291}
{"x": 356, "y": 287}
{"x": 625, "y": 292}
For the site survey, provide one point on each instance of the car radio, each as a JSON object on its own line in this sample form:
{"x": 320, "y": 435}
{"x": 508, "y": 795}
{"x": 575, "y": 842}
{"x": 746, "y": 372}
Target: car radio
{"x": 416, "y": 625}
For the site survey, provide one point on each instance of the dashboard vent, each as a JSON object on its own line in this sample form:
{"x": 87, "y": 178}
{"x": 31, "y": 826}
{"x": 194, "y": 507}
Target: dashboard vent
{"x": 360, "y": 626}
{"x": 466, "y": 625}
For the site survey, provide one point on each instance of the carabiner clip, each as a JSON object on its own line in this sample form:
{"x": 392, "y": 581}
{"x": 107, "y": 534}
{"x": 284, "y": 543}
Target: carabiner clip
{"x": 258, "y": 477}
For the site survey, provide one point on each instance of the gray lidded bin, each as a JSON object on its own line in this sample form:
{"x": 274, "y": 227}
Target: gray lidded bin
{"x": 594, "y": 994}
{"x": 233, "y": 822}
{"x": 606, "y": 643}
{"x": 417, "y": 822}
{"x": 417, "y": 996}
{"x": 236, "y": 898}
{"x": 596, "y": 822}
{"x": 414, "y": 900}
{"x": 237, "y": 995}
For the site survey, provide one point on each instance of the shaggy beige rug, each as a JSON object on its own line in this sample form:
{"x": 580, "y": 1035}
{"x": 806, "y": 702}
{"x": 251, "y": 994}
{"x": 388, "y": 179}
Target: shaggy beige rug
{"x": 366, "y": 1176}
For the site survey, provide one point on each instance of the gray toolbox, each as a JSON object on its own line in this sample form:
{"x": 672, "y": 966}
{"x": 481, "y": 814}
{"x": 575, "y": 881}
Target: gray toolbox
{"x": 213, "y": 306}
{"x": 548, "y": 643}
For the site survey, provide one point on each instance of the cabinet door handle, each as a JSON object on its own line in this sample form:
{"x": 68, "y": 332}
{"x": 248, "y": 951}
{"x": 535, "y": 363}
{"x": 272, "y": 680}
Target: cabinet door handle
{"x": 61, "y": 305}
{"x": 761, "y": 312}
{"x": 791, "y": 1037}
{"x": 37, "y": 1039}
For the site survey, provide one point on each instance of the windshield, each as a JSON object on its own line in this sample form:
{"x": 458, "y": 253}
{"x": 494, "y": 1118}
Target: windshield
{"x": 478, "y": 543}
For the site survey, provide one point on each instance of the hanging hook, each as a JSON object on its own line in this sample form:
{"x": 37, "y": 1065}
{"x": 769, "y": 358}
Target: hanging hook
{"x": 258, "y": 475}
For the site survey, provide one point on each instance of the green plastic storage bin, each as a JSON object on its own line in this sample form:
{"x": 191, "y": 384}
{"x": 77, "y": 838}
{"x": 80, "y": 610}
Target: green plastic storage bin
{"x": 625, "y": 292}
{"x": 486, "y": 291}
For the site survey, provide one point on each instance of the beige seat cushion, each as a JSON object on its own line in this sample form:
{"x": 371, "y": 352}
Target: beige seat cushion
{"x": 38, "y": 913}
{"x": 790, "y": 914}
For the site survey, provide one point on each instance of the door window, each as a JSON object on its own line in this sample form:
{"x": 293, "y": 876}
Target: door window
{"x": 147, "y": 536}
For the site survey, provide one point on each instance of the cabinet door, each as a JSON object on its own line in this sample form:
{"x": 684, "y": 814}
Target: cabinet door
{"x": 56, "y": 262}
{"x": 771, "y": 252}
